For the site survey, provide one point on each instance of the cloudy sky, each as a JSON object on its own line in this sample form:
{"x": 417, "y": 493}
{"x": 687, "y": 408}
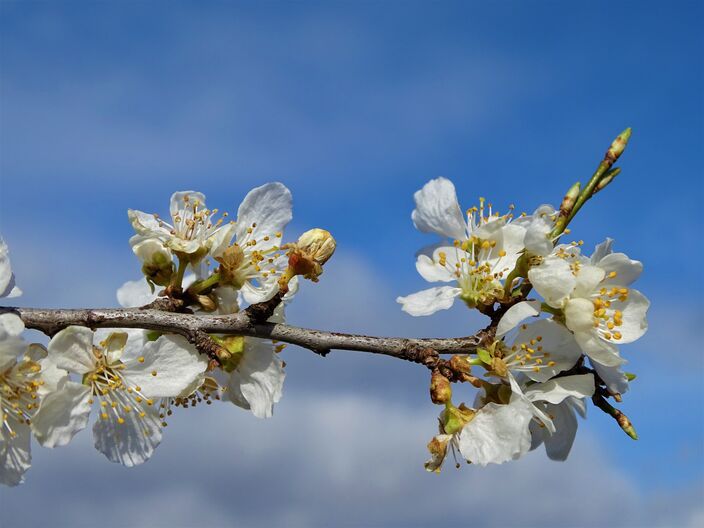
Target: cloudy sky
{"x": 106, "y": 105}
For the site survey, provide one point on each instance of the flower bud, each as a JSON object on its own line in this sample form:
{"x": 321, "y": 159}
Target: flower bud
{"x": 307, "y": 256}
{"x": 440, "y": 388}
{"x": 570, "y": 199}
{"x": 157, "y": 261}
{"x": 607, "y": 179}
{"x": 618, "y": 146}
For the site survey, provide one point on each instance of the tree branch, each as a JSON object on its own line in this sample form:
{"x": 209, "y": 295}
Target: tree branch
{"x": 248, "y": 323}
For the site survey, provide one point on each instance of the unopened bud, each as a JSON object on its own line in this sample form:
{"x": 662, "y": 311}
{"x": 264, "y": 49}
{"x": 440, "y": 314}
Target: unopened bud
{"x": 157, "y": 261}
{"x": 617, "y": 147}
{"x": 440, "y": 388}
{"x": 607, "y": 179}
{"x": 307, "y": 256}
{"x": 626, "y": 425}
{"x": 318, "y": 245}
{"x": 206, "y": 302}
{"x": 570, "y": 199}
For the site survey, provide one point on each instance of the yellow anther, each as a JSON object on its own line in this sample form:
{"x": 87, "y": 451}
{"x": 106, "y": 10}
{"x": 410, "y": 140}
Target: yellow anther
{"x": 104, "y": 416}
{"x": 140, "y": 359}
{"x": 153, "y": 372}
{"x": 120, "y": 420}
{"x": 612, "y": 275}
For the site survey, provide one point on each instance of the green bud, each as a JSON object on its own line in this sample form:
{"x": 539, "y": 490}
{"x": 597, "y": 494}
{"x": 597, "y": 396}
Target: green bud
{"x": 606, "y": 179}
{"x": 570, "y": 199}
{"x": 618, "y": 146}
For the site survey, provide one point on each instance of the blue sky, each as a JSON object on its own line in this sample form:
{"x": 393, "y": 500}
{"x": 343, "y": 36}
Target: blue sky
{"x": 105, "y": 106}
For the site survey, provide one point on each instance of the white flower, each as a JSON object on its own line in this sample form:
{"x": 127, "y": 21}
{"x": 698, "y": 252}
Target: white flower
{"x": 7, "y": 278}
{"x": 24, "y": 380}
{"x": 485, "y": 248}
{"x": 193, "y": 230}
{"x": 254, "y": 262}
{"x": 120, "y": 385}
{"x": 539, "y": 350}
{"x": 599, "y": 307}
{"x": 254, "y": 376}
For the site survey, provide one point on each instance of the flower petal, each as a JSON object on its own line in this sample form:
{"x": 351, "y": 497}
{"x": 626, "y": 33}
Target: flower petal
{"x": 614, "y": 377}
{"x": 588, "y": 278}
{"x": 170, "y": 364}
{"x": 130, "y": 443}
{"x": 437, "y": 210}
{"x": 601, "y": 250}
{"x": 557, "y": 389}
{"x": 15, "y": 457}
{"x": 555, "y": 340}
{"x": 634, "y": 311}
{"x": 517, "y": 313}
{"x": 432, "y": 271}
{"x": 62, "y": 414}
{"x": 599, "y": 350}
{"x": 553, "y": 279}
{"x": 257, "y": 382}
{"x": 497, "y": 433}
{"x": 269, "y": 207}
{"x": 133, "y": 294}
{"x": 624, "y": 270}
{"x": 427, "y": 302}
{"x": 72, "y": 349}
{"x": 7, "y": 278}
{"x": 559, "y": 444}
{"x": 538, "y": 227}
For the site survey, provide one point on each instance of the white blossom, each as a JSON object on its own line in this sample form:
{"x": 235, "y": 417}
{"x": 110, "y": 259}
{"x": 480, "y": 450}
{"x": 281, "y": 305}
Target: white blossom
{"x": 193, "y": 230}
{"x": 120, "y": 385}
{"x": 24, "y": 380}
{"x": 599, "y": 307}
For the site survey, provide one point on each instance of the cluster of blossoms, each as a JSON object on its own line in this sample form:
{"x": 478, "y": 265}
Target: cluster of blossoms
{"x": 557, "y": 316}
{"x": 131, "y": 380}
{"x": 537, "y": 359}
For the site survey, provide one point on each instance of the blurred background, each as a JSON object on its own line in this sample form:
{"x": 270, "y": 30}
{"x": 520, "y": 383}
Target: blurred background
{"x": 354, "y": 106}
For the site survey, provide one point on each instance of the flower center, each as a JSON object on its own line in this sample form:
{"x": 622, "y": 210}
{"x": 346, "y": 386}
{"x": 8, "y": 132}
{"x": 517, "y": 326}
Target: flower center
{"x": 18, "y": 395}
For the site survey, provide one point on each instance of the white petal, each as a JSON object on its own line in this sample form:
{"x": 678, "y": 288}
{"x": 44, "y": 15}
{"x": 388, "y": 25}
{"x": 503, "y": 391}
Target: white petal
{"x": 147, "y": 225}
{"x": 170, "y": 365}
{"x": 536, "y": 238}
{"x": 132, "y": 442}
{"x": 62, "y": 414}
{"x": 7, "y": 278}
{"x": 269, "y": 207}
{"x": 601, "y": 250}
{"x": 588, "y": 278}
{"x": 11, "y": 325}
{"x": 437, "y": 210}
{"x": 615, "y": 379}
{"x": 579, "y": 315}
{"x": 634, "y": 311}
{"x": 557, "y": 341}
{"x": 517, "y": 313}
{"x": 429, "y": 301}
{"x": 220, "y": 239}
{"x": 259, "y": 292}
{"x": 133, "y": 294}
{"x": 259, "y": 378}
{"x": 72, "y": 349}
{"x": 599, "y": 350}
{"x": 178, "y": 202}
{"x": 557, "y": 389}
{"x": 553, "y": 279}
{"x": 15, "y": 457}
{"x": 433, "y": 271}
{"x": 625, "y": 269}
{"x": 559, "y": 444}
{"x": 497, "y": 433}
